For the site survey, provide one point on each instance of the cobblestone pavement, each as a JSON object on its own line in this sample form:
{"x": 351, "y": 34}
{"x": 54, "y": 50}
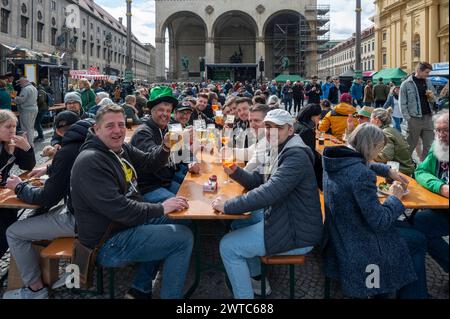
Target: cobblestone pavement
{"x": 309, "y": 277}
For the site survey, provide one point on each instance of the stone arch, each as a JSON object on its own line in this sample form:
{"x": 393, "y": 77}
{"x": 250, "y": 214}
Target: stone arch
{"x": 283, "y": 38}
{"x": 187, "y": 34}
{"x": 234, "y": 32}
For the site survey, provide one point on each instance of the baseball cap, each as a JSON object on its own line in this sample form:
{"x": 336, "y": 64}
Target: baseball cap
{"x": 22, "y": 78}
{"x": 279, "y": 117}
{"x": 65, "y": 118}
{"x": 346, "y": 98}
{"x": 185, "y": 105}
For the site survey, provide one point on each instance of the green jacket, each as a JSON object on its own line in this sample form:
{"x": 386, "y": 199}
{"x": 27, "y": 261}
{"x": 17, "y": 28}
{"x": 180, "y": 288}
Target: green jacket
{"x": 87, "y": 99}
{"x": 426, "y": 173}
{"x": 5, "y": 100}
{"x": 396, "y": 149}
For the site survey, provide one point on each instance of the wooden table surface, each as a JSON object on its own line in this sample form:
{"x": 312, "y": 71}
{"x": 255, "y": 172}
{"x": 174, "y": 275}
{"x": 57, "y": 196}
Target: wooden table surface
{"x": 199, "y": 201}
{"x": 8, "y": 199}
{"x": 419, "y": 197}
{"x": 330, "y": 140}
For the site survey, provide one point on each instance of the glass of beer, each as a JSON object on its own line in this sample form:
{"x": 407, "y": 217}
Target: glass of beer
{"x": 215, "y": 107}
{"x": 219, "y": 118}
{"x": 129, "y": 123}
{"x": 228, "y": 161}
{"x": 175, "y": 134}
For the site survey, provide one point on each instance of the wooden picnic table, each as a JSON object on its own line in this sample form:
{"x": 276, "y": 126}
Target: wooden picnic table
{"x": 330, "y": 140}
{"x": 200, "y": 202}
{"x": 419, "y": 197}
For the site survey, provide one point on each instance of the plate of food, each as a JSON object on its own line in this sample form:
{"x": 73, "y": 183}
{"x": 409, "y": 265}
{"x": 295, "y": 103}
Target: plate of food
{"x": 37, "y": 181}
{"x": 384, "y": 189}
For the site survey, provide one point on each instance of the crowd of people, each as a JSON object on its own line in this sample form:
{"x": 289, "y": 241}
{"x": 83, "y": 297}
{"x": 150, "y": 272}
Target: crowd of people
{"x": 119, "y": 194}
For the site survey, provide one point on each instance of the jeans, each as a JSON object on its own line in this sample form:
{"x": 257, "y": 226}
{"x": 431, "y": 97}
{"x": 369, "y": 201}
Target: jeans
{"x": 38, "y": 123}
{"x": 434, "y": 225}
{"x": 160, "y": 194}
{"x": 417, "y": 246}
{"x": 397, "y": 123}
{"x": 298, "y": 104}
{"x": 287, "y": 104}
{"x": 379, "y": 104}
{"x": 240, "y": 250}
{"x": 147, "y": 244}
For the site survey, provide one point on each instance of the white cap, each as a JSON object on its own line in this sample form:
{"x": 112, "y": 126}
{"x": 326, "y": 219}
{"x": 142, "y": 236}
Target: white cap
{"x": 279, "y": 117}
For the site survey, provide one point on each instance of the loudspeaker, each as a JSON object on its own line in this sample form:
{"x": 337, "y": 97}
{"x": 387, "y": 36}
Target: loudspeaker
{"x": 261, "y": 66}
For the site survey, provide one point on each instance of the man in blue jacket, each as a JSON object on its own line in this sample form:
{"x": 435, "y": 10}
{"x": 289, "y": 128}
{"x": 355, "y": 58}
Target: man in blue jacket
{"x": 356, "y": 91}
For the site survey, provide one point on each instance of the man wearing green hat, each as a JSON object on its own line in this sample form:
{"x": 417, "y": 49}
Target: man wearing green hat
{"x": 363, "y": 116}
{"x": 152, "y": 136}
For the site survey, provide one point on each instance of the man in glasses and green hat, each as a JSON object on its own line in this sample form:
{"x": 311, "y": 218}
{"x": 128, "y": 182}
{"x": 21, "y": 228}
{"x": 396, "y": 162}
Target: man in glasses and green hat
{"x": 149, "y": 137}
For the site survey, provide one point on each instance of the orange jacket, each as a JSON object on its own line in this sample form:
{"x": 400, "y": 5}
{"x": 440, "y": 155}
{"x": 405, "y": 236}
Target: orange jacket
{"x": 336, "y": 120}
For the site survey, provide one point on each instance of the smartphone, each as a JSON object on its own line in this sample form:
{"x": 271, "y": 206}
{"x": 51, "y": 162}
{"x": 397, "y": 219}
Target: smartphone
{"x": 20, "y": 133}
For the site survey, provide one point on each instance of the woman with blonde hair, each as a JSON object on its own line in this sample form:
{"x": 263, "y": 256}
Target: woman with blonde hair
{"x": 87, "y": 94}
{"x": 14, "y": 149}
{"x": 396, "y": 148}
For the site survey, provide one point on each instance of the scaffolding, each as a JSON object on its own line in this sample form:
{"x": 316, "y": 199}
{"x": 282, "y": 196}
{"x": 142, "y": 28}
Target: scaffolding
{"x": 297, "y": 41}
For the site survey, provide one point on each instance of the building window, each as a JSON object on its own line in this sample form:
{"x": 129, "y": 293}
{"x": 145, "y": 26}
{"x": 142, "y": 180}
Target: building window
{"x": 53, "y": 36}
{"x": 40, "y": 32}
{"x": 384, "y": 36}
{"x": 23, "y": 26}
{"x": 98, "y": 51}
{"x": 83, "y": 47}
{"x": 5, "y": 20}
{"x": 384, "y": 58}
{"x": 104, "y": 53}
{"x": 24, "y": 8}
{"x": 416, "y": 46}
{"x": 84, "y": 21}
{"x": 373, "y": 65}
{"x": 53, "y": 5}
{"x": 92, "y": 49}
{"x": 373, "y": 46}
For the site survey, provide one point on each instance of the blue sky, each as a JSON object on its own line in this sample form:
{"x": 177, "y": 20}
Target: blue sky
{"x": 143, "y": 24}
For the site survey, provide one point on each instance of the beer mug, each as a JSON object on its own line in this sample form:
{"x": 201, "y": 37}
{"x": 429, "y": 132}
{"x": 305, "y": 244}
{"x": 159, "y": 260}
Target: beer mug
{"x": 175, "y": 134}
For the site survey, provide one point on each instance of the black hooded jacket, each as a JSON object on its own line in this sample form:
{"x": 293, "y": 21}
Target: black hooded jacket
{"x": 149, "y": 138}
{"x": 101, "y": 194}
{"x": 58, "y": 184}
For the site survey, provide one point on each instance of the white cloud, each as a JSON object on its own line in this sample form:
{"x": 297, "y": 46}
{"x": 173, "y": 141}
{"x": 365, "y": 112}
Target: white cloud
{"x": 142, "y": 20}
{"x": 342, "y": 16}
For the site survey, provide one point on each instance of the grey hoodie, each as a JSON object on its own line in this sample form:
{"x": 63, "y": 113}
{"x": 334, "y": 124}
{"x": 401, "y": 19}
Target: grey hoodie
{"x": 289, "y": 197}
{"x": 27, "y": 100}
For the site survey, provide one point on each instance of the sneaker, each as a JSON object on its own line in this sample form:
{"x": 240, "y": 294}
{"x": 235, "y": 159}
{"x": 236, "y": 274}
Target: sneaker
{"x": 136, "y": 294}
{"x": 256, "y": 285}
{"x": 26, "y": 293}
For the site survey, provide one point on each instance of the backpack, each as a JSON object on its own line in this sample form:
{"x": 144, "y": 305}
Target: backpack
{"x": 42, "y": 100}
{"x": 50, "y": 99}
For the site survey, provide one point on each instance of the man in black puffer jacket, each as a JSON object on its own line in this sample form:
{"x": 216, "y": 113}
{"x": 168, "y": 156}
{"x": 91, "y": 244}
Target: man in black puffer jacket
{"x": 59, "y": 222}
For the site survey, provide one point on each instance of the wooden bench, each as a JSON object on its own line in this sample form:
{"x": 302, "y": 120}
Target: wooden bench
{"x": 290, "y": 260}
{"x": 60, "y": 248}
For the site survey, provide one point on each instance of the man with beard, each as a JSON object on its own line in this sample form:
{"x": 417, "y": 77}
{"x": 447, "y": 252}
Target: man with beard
{"x": 199, "y": 109}
{"x": 159, "y": 185}
{"x": 433, "y": 175}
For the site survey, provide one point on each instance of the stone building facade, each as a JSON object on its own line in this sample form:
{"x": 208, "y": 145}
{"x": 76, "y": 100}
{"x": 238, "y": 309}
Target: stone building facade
{"x": 235, "y": 31}
{"x": 341, "y": 57}
{"x": 99, "y": 42}
{"x": 410, "y": 31}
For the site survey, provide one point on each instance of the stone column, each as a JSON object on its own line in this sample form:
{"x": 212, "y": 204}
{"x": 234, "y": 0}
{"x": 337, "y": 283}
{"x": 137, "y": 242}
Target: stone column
{"x": 209, "y": 51}
{"x": 433, "y": 29}
{"x": 160, "y": 59}
{"x": 260, "y": 52}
